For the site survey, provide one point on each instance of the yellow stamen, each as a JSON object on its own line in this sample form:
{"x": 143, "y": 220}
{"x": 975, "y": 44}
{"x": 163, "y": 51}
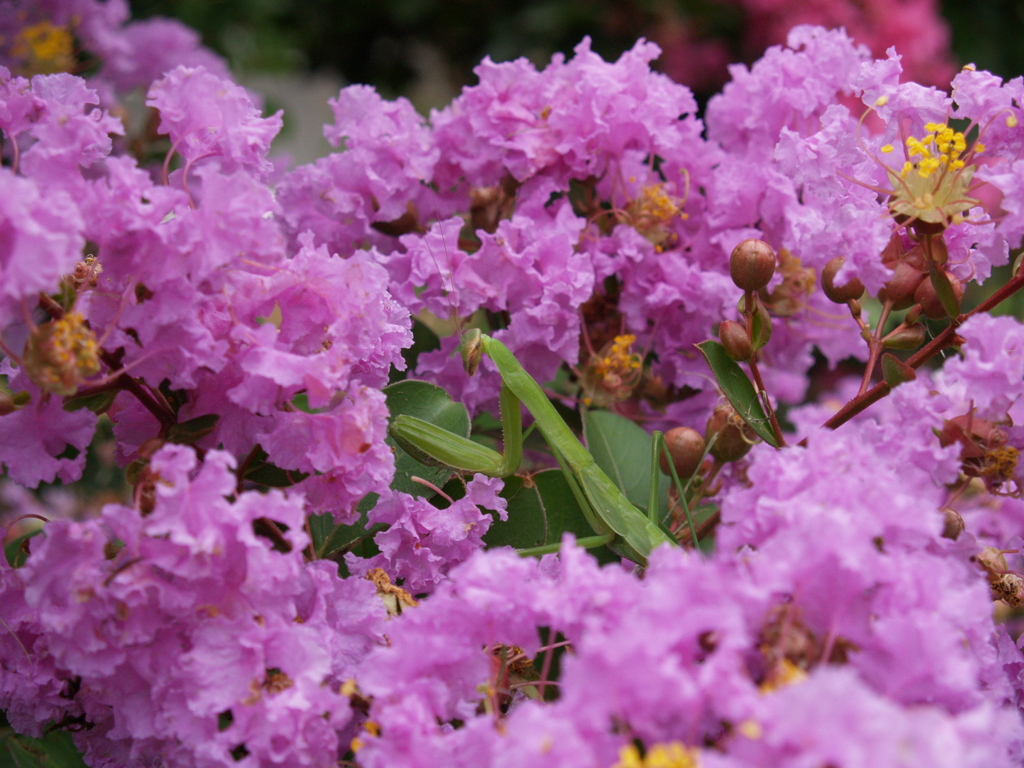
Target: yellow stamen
{"x": 61, "y": 353}
{"x": 44, "y": 49}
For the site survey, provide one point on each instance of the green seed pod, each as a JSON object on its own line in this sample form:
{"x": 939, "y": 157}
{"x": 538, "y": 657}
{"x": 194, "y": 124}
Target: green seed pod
{"x": 686, "y": 447}
{"x": 752, "y": 265}
{"x": 840, "y": 294}
{"x": 735, "y": 340}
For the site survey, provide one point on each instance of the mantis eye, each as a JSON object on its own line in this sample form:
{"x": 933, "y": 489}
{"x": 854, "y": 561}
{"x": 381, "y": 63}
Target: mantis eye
{"x": 471, "y": 350}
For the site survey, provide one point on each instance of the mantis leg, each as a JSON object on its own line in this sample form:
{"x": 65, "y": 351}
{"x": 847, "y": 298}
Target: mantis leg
{"x": 434, "y": 446}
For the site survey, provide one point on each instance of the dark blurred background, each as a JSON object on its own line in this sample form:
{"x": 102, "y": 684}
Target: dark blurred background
{"x": 399, "y": 45}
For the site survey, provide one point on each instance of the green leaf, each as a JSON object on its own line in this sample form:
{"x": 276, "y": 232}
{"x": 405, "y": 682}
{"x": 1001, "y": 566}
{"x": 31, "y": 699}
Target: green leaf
{"x": 762, "y": 325}
{"x": 193, "y": 430}
{"x": 430, "y": 403}
{"x": 15, "y": 553}
{"x": 737, "y": 387}
{"x": 56, "y": 750}
{"x": 527, "y": 524}
{"x": 895, "y": 371}
{"x": 944, "y": 290}
{"x": 622, "y": 449}
{"x": 540, "y": 509}
{"x": 263, "y": 473}
{"x": 98, "y": 403}
{"x": 330, "y": 538}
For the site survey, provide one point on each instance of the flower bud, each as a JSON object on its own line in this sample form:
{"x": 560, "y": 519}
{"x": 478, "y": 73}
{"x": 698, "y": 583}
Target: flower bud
{"x": 901, "y": 286}
{"x": 840, "y": 294}
{"x": 686, "y": 447}
{"x": 752, "y": 265}
{"x": 732, "y": 436}
{"x": 931, "y": 305}
{"x": 735, "y": 340}
{"x": 953, "y": 524}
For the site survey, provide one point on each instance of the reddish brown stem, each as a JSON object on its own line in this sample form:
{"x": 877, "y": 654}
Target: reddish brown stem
{"x": 703, "y": 530}
{"x": 124, "y": 381}
{"x": 926, "y": 353}
{"x": 875, "y": 347}
{"x": 243, "y": 467}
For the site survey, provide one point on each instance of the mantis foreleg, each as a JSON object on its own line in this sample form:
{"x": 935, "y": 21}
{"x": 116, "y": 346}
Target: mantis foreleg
{"x": 635, "y": 534}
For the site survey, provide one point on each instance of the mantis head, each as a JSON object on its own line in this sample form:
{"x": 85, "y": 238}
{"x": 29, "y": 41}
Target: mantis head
{"x": 472, "y": 350}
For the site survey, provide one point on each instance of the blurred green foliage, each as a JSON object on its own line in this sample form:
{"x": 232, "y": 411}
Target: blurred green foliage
{"x": 989, "y": 33}
{"x": 388, "y": 42}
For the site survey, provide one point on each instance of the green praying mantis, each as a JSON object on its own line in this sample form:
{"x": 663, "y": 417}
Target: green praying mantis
{"x": 616, "y": 522}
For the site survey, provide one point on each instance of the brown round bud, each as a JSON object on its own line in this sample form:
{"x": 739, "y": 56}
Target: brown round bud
{"x": 752, "y": 264}
{"x": 926, "y": 296}
{"x": 953, "y": 524}
{"x": 840, "y": 294}
{"x": 732, "y": 437}
{"x": 687, "y": 449}
{"x": 150, "y": 447}
{"x": 901, "y": 286}
{"x": 894, "y": 253}
{"x": 6, "y": 404}
{"x": 735, "y": 340}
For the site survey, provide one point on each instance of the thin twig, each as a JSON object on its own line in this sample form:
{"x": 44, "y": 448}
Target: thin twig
{"x": 926, "y": 353}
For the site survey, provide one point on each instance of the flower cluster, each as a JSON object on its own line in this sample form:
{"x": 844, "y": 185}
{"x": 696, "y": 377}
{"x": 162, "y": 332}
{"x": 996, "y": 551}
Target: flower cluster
{"x": 113, "y": 621}
{"x": 277, "y": 593}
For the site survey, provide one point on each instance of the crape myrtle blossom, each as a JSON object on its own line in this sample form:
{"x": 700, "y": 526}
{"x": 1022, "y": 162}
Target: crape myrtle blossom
{"x": 612, "y": 155}
{"x": 116, "y": 620}
{"x": 422, "y": 543}
{"x": 198, "y": 291}
{"x": 829, "y": 576}
{"x": 233, "y": 332}
{"x": 206, "y": 116}
{"x": 709, "y": 655}
{"x": 522, "y": 136}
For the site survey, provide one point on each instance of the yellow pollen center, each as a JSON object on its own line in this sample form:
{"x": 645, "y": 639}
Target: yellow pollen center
{"x": 671, "y": 755}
